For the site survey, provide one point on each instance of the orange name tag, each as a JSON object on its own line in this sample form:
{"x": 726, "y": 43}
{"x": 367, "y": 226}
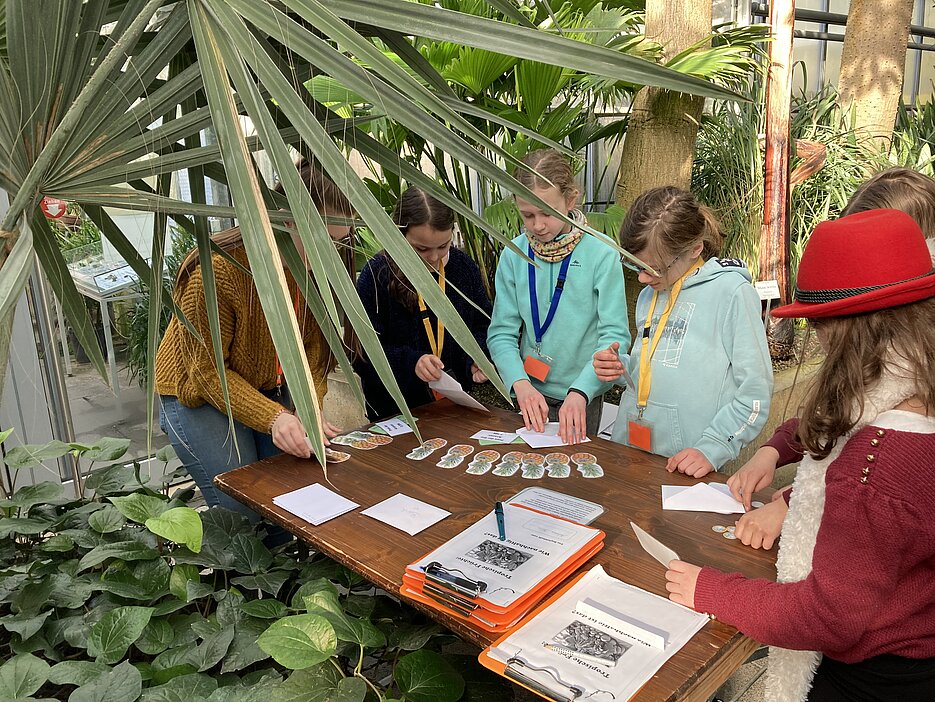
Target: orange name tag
{"x": 640, "y": 435}
{"x": 536, "y": 369}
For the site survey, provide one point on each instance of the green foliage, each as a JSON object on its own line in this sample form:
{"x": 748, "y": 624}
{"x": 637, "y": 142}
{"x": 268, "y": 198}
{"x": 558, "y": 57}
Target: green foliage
{"x": 729, "y": 164}
{"x": 138, "y": 319}
{"x": 131, "y": 595}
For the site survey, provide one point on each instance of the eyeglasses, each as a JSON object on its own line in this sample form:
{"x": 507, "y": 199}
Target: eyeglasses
{"x": 636, "y": 268}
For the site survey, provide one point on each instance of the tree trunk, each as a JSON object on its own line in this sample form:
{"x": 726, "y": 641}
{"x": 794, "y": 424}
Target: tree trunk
{"x": 873, "y": 62}
{"x": 660, "y": 142}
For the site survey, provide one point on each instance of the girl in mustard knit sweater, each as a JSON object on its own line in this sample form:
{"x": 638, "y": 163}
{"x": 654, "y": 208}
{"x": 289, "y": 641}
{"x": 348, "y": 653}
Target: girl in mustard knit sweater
{"x": 192, "y": 408}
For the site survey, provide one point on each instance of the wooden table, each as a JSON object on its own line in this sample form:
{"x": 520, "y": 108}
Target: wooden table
{"x": 629, "y": 490}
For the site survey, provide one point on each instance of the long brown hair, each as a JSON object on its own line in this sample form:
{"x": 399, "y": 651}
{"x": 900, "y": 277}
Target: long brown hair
{"x": 669, "y": 220}
{"x": 859, "y": 347}
{"x": 898, "y": 189}
{"x": 550, "y": 164}
{"x": 327, "y": 197}
{"x": 414, "y": 208}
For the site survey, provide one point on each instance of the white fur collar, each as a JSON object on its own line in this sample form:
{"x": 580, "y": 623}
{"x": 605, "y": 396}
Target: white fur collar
{"x": 790, "y": 673}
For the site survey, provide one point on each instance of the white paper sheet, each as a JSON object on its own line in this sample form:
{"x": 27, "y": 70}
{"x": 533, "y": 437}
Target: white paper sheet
{"x": 500, "y": 437}
{"x": 394, "y": 427}
{"x": 315, "y": 504}
{"x": 701, "y": 497}
{"x": 406, "y": 513}
{"x": 545, "y": 439}
{"x": 565, "y": 641}
{"x": 654, "y": 547}
{"x": 451, "y": 388}
{"x": 608, "y": 420}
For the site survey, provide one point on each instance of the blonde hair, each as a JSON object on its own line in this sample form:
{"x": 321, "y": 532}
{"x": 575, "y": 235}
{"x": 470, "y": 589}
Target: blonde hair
{"x": 670, "y": 220}
{"x": 898, "y": 189}
{"x": 552, "y": 168}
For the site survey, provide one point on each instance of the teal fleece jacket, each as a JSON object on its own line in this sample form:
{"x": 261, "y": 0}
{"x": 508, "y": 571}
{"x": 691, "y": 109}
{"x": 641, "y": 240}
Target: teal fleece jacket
{"x": 712, "y": 379}
{"x": 591, "y": 314}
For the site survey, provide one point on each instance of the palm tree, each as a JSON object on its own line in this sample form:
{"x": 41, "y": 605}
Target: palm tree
{"x": 101, "y": 101}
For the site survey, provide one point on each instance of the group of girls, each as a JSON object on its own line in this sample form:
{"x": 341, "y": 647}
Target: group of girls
{"x": 857, "y": 576}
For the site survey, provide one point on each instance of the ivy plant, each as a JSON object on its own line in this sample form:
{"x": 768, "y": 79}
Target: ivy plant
{"x": 129, "y": 593}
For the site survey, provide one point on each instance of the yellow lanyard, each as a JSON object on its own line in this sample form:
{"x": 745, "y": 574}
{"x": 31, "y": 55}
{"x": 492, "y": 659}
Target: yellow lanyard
{"x": 647, "y": 348}
{"x": 437, "y": 340}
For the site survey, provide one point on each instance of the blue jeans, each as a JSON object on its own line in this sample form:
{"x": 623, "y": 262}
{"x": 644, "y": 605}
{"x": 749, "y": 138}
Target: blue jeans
{"x": 202, "y": 439}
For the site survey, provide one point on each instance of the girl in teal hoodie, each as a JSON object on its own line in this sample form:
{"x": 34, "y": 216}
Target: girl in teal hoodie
{"x": 700, "y": 376}
{"x": 550, "y": 318}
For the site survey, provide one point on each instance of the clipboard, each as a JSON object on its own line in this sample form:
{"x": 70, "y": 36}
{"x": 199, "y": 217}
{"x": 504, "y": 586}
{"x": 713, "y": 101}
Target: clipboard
{"x": 517, "y": 670}
{"x": 436, "y": 595}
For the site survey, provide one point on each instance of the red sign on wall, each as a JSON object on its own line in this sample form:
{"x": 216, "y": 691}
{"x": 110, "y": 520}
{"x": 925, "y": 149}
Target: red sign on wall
{"x": 53, "y": 207}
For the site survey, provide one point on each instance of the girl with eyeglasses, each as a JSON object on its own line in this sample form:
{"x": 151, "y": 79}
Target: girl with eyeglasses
{"x": 416, "y": 343}
{"x": 698, "y": 379}
{"x": 551, "y": 315}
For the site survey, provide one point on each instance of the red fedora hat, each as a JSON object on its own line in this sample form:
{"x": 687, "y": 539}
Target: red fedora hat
{"x": 860, "y": 263}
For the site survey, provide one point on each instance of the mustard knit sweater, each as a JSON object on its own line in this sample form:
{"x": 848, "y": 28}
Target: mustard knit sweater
{"x": 185, "y": 367}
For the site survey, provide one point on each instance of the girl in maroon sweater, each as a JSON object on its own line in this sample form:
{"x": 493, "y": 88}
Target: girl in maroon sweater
{"x": 856, "y": 567}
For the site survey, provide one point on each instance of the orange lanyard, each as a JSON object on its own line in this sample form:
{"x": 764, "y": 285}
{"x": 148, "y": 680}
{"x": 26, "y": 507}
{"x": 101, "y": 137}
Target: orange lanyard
{"x": 436, "y": 340}
{"x": 647, "y": 348}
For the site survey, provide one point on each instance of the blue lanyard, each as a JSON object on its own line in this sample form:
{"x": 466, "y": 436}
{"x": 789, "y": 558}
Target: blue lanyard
{"x": 540, "y": 331}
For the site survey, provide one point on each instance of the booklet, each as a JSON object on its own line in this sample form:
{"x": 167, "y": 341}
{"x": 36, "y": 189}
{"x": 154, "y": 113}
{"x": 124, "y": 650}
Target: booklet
{"x": 406, "y": 513}
{"x": 558, "y": 504}
{"x": 315, "y": 504}
{"x": 598, "y": 639}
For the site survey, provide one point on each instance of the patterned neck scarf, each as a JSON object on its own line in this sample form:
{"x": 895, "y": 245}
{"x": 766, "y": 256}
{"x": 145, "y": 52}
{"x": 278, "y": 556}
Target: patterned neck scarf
{"x": 563, "y": 244}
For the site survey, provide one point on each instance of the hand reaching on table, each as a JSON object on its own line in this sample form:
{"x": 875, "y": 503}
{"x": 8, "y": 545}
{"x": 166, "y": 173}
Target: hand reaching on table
{"x": 532, "y": 404}
{"x": 756, "y": 474}
{"x": 572, "y": 418}
{"x": 289, "y": 435}
{"x": 761, "y": 527}
{"x": 691, "y": 462}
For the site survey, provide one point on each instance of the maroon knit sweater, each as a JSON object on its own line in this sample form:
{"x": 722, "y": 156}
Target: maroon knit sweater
{"x": 872, "y": 586}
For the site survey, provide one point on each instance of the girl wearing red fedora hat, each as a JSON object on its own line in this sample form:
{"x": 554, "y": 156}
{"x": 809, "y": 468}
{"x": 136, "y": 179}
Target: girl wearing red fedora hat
{"x": 894, "y": 188}
{"x": 856, "y": 566}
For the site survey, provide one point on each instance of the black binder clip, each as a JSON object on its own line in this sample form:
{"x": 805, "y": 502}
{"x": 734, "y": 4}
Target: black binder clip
{"x": 438, "y": 573}
{"x": 566, "y": 693}
{"x": 448, "y": 599}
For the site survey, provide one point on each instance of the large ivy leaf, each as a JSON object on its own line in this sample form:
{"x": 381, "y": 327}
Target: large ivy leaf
{"x": 107, "y": 449}
{"x": 30, "y": 495}
{"x": 182, "y": 574}
{"x": 26, "y": 526}
{"x": 69, "y": 592}
{"x": 265, "y": 609}
{"x": 112, "y": 635}
{"x": 126, "y": 550}
{"x": 60, "y": 543}
{"x": 181, "y": 525}
{"x": 25, "y": 624}
{"x": 244, "y": 650}
{"x": 123, "y": 683}
{"x": 138, "y": 507}
{"x": 226, "y": 522}
{"x": 146, "y": 580}
{"x": 107, "y": 520}
{"x": 359, "y": 631}
{"x": 110, "y": 479}
{"x": 156, "y": 637}
{"x": 173, "y": 663}
{"x": 214, "y": 647}
{"x": 250, "y": 555}
{"x": 322, "y": 683}
{"x": 267, "y": 582}
{"x": 30, "y": 455}
{"x": 412, "y": 637}
{"x": 76, "y": 672}
{"x": 22, "y": 675}
{"x": 299, "y": 641}
{"x": 424, "y": 676}
{"x": 310, "y": 588}
{"x": 184, "y": 688}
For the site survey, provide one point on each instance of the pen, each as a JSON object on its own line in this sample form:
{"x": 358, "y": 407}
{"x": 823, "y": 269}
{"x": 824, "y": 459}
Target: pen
{"x": 498, "y": 510}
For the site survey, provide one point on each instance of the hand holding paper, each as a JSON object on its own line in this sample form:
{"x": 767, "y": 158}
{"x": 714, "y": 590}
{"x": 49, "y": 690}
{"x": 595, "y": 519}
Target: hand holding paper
{"x": 451, "y": 388}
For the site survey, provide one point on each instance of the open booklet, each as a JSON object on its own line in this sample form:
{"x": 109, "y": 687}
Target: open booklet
{"x": 598, "y": 639}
